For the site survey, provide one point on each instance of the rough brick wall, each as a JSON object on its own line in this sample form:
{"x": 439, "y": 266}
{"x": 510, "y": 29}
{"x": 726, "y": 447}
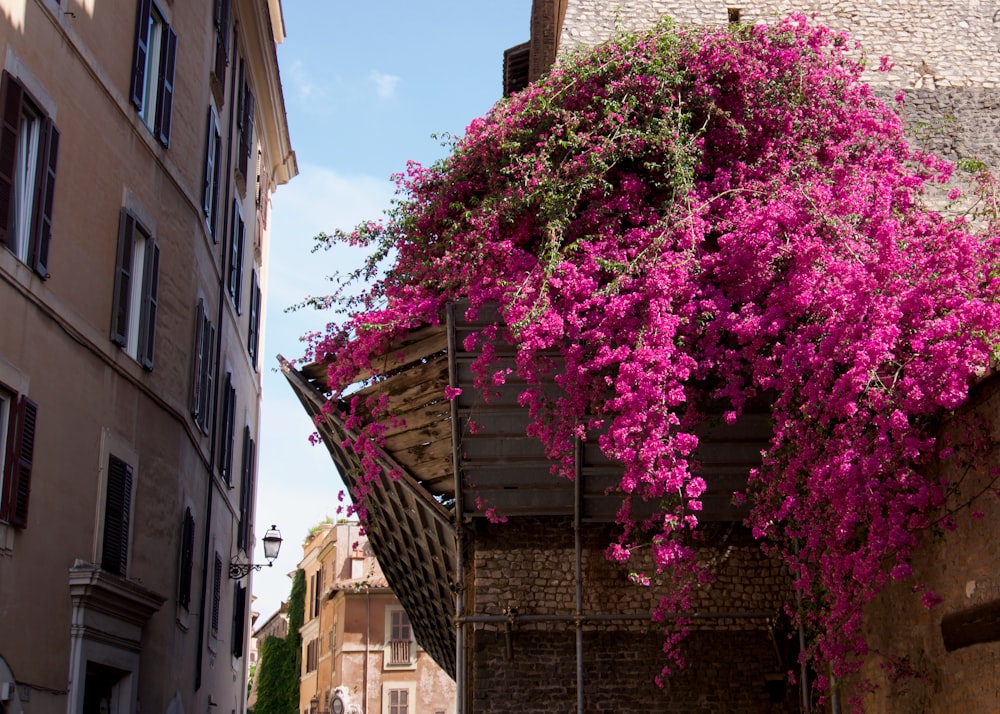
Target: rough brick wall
{"x": 528, "y": 563}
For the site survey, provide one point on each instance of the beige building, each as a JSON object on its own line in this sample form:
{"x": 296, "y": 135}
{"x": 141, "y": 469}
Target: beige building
{"x": 140, "y": 142}
{"x": 359, "y": 653}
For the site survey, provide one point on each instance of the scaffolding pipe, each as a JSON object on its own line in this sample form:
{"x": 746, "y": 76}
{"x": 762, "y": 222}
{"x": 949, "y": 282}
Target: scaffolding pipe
{"x": 456, "y": 435}
{"x": 610, "y": 617}
{"x": 578, "y": 545}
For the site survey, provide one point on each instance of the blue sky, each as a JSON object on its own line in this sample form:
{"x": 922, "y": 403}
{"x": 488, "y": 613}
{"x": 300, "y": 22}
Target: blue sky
{"x": 366, "y": 86}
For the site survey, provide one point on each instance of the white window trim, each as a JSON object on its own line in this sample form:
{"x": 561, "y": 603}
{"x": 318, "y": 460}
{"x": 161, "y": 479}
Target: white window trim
{"x": 411, "y": 699}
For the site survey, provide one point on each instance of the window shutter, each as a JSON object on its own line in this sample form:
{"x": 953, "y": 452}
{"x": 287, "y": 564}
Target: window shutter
{"x": 198, "y": 363}
{"x": 208, "y": 182}
{"x": 253, "y": 336}
{"x": 19, "y": 466}
{"x": 216, "y": 593}
{"x": 42, "y": 222}
{"x": 150, "y": 287}
{"x": 114, "y": 555}
{"x": 123, "y": 279}
{"x": 221, "y": 18}
{"x": 227, "y": 427}
{"x": 11, "y": 98}
{"x": 187, "y": 560}
{"x": 139, "y": 52}
{"x": 246, "y": 466}
{"x": 236, "y": 257}
{"x": 165, "y": 85}
{"x": 239, "y": 619}
{"x": 208, "y": 372}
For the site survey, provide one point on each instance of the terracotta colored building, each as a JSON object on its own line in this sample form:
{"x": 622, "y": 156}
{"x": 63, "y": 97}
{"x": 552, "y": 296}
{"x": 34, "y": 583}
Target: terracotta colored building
{"x": 359, "y": 653}
{"x": 140, "y": 143}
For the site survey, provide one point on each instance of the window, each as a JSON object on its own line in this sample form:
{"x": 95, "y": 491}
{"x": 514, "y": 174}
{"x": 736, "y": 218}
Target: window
{"x": 239, "y": 619}
{"x": 246, "y": 491}
{"x": 399, "y": 701}
{"x": 153, "y": 60}
{"x": 216, "y": 594}
{"x": 203, "y": 374}
{"x": 312, "y": 651}
{"x": 253, "y": 335}
{"x": 226, "y": 428}
{"x": 213, "y": 163}
{"x": 399, "y": 646}
{"x": 18, "y": 418}
{"x": 220, "y": 18}
{"x": 133, "y": 317}
{"x": 29, "y": 145}
{"x": 244, "y": 118}
{"x": 234, "y": 278}
{"x": 117, "y": 508}
{"x": 187, "y": 560}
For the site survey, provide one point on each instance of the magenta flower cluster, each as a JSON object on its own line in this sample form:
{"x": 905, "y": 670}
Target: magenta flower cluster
{"x": 698, "y": 216}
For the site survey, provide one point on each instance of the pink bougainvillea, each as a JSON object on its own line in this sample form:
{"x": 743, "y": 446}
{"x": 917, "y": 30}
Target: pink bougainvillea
{"x": 697, "y": 215}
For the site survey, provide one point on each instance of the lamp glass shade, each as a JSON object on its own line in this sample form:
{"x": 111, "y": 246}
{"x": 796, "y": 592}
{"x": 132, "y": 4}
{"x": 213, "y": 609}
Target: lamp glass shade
{"x": 272, "y": 543}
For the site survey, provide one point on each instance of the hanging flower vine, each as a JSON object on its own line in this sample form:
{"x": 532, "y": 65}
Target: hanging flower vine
{"x": 707, "y": 215}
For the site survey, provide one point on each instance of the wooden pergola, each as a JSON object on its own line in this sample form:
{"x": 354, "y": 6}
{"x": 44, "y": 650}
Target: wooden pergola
{"x": 448, "y": 475}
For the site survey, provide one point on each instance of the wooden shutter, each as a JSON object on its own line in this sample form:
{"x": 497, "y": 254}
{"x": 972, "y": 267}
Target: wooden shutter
{"x": 207, "y": 372}
{"x": 253, "y": 336}
{"x": 118, "y": 499}
{"x": 246, "y": 490}
{"x": 187, "y": 560}
{"x": 221, "y": 17}
{"x": 41, "y": 233}
{"x": 11, "y": 102}
{"x": 236, "y": 257}
{"x": 208, "y": 180}
{"x": 19, "y": 462}
{"x": 165, "y": 85}
{"x": 216, "y": 593}
{"x": 239, "y": 619}
{"x": 199, "y": 360}
{"x": 123, "y": 279}
{"x": 246, "y": 132}
{"x": 227, "y": 427}
{"x": 150, "y": 288}
{"x": 140, "y": 51}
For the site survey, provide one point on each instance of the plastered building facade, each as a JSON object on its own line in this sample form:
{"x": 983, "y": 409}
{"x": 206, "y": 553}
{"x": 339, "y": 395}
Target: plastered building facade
{"x": 141, "y": 141}
{"x": 358, "y": 649}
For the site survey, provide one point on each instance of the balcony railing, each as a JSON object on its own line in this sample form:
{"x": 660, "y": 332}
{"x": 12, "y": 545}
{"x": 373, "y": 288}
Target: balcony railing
{"x": 399, "y": 652}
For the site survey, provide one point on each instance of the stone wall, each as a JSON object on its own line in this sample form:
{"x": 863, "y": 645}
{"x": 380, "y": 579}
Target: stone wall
{"x": 946, "y": 55}
{"x": 529, "y": 563}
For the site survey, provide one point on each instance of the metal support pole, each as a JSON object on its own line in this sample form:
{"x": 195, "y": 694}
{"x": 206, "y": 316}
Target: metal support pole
{"x": 456, "y": 440}
{"x": 578, "y": 545}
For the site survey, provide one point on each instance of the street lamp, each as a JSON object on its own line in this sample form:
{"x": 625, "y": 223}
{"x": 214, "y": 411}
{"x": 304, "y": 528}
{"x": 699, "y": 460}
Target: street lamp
{"x": 272, "y": 544}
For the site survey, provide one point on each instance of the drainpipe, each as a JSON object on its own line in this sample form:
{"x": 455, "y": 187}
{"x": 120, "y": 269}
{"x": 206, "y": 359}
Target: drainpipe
{"x": 210, "y": 488}
{"x": 460, "y": 670}
{"x": 368, "y": 631}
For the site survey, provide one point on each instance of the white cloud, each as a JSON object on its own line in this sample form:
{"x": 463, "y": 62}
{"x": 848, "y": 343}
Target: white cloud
{"x": 301, "y": 82}
{"x": 385, "y": 84}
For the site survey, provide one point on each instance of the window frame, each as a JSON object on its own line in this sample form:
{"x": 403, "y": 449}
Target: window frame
{"x": 253, "y": 330}
{"x": 32, "y": 248}
{"x": 212, "y": 177}
{"x": 19, "y": 421}
{"x": 152, "y": 96}
{"x": 244, "y": 123}
{"x": 203, "y": 368}
{"x": 185, "y": 571}
{"x": 135, "y": 333}
{"x": 234, "y": 274}
{"x": 227, "y": 421}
